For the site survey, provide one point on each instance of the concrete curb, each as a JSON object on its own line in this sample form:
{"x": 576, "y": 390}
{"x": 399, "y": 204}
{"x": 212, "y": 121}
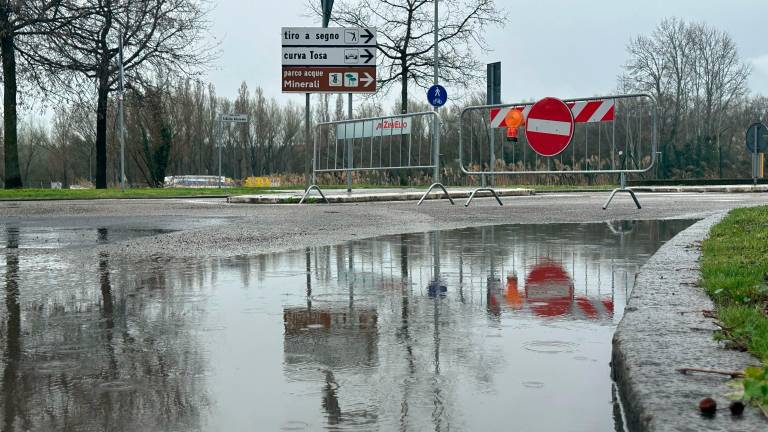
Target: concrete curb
{"x": 664, "y": 329}
{"x": 357, "y": 197}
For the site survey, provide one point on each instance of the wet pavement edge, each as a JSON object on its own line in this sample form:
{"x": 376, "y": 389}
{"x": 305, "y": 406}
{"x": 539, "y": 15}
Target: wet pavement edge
{"x": 664, "y": 329}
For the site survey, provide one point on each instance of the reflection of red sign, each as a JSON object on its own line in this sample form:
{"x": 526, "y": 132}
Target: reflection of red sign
{"x": 550, "y": 285}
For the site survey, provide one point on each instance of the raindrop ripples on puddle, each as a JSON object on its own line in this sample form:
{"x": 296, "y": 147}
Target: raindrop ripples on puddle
{"x": 494, "y": 328}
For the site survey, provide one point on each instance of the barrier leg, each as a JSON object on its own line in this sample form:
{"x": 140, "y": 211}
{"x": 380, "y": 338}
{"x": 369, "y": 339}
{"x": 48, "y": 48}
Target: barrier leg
{"x": 434, "y": 185}
{"x": 472, "y": 195}
{"x": 623, "y": 188}
{"x": 629, "y": 191}
{"x": 309, "y": 189}
{"x": 610, "y": 198}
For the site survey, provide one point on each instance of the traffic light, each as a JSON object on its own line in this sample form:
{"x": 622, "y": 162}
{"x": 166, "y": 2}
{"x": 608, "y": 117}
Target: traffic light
{"x": 513, "y": 120}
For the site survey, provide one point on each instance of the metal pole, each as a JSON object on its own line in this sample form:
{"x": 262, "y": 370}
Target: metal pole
{"x": 754, "y": 159}
{"x": 121, "y": 117}
{"x": 492, "y": 165}
{"x": 349, "y": 146}
{"x": 435, "y": 131}
{"x": 221, "y": 136}
{"x": 309, "y": 153}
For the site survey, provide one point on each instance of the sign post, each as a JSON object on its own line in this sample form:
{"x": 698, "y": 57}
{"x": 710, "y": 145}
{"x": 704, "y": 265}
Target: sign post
{"x": 757, "y": 142}
{"x": 227, "y": 118}
{"x": 492, "y": 97}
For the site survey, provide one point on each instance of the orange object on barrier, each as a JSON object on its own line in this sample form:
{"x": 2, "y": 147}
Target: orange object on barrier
{"x": 513, "y": 120}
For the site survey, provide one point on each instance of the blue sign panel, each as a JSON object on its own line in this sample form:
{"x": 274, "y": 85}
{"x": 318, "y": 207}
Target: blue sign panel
{"x": 437, "y": 95}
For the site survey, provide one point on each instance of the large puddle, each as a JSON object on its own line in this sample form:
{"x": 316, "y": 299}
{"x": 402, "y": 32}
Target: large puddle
{"x": 494, "y": 328}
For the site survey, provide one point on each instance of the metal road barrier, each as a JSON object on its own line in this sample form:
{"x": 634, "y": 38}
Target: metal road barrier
{"x": 612, "y": 136}
{"x": 388, "y": 143}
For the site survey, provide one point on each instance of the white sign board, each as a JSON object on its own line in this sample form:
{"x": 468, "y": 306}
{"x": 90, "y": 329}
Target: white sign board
{"x": 374, "y": 128}
{"x": 234, "y": 118}
{"x": 328, "y": 56}
{"x": 334, "y": 36}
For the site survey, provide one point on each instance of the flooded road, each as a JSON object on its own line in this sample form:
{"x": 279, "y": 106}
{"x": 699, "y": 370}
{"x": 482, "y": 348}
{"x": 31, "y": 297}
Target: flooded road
{"x": 493, "y": 328}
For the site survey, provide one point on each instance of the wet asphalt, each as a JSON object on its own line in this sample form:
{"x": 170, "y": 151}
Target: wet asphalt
{"x": 212, "y": 227}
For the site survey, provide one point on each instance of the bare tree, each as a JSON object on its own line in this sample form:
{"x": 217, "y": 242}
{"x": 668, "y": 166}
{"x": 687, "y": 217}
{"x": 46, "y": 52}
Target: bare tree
{"x": 696, "y": 75}
{"x": 406, "y": 38}
{"x": 158, "y": 38}
{"x": 18, "y": 20}
{"x": 720, "y": 72}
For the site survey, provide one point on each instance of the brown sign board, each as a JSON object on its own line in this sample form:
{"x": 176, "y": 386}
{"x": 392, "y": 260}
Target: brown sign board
{"x": 329, "y": 79}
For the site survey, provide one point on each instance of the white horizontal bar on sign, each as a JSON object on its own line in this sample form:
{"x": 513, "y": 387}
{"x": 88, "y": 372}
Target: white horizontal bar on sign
{"x": 328, "y": 56}
{"x": 553, "y": 127}
{"x": 318, "y": 36}
{"x": 374, "y": 128}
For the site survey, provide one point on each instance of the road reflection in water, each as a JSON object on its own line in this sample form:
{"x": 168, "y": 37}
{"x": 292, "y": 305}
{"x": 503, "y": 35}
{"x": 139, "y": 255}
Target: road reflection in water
{"x": 505, "y": 327}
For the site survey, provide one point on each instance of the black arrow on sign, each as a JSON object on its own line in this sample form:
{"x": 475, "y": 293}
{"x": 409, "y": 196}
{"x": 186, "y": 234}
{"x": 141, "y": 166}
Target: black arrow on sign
{"x": 368, "y": 36}
{"x": 368, "y": 56}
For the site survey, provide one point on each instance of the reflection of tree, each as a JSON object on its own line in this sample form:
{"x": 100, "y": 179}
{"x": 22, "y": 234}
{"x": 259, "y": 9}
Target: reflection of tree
{"x": 331, "y": 399}
{"x": 12, "y": 356}
{"x": 101, "y": 357}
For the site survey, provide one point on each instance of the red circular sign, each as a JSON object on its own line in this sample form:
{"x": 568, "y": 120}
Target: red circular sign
{"x": 549, "y": 126}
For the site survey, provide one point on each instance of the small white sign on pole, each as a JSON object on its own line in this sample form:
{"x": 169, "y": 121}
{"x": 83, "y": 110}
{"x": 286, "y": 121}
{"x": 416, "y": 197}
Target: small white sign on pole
{"x": 234, "y": 118}
{"x": 374, "y": 128}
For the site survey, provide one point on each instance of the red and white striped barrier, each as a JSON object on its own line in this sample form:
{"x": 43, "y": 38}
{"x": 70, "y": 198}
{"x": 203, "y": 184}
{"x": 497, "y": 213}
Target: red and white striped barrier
{"x": 583, "y": 112}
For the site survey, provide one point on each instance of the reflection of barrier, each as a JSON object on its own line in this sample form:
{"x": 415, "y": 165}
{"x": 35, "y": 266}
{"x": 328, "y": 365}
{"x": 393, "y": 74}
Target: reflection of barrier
{"x": 398, "y": 142}
{"x": 612, "y": 135}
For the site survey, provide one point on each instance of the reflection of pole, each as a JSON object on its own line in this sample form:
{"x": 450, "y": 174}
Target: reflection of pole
{"x": 12, "y": 355}
{"x": 436, "y": 254}
{"x": 107, "y": 310}
{"x": 308, "y": 254}
{"x": 349, "y": 278}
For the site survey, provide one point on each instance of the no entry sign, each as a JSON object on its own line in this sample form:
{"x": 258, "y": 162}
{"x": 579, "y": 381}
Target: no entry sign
{"x": 549, "y": 127}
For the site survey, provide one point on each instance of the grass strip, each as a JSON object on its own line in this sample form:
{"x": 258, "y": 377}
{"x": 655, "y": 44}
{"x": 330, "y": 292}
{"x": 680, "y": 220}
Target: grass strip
{"x": 74, "y": 194}
{"x": 734, "y": 270}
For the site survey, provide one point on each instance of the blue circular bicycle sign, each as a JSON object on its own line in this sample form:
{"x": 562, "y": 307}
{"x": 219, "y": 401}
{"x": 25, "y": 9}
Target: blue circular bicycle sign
{"x": 437, "y": 95}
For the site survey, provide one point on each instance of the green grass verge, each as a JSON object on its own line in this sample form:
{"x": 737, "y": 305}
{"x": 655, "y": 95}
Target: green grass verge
{"x": 74, "y": 194}
{"x": 71, "y": 194}
{"x": 734, "y": 271}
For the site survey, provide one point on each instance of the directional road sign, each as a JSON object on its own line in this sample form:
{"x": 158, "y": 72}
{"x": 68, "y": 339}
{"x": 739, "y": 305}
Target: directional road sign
{"x": 437, "y": 95}
{"x": 329, "y": 60}
{"x": 757, "y": 132}
{"x": 549, "y": 126}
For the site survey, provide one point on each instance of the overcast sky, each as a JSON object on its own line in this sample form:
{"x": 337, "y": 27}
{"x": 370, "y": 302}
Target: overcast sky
{"x": 563, "y": 48}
